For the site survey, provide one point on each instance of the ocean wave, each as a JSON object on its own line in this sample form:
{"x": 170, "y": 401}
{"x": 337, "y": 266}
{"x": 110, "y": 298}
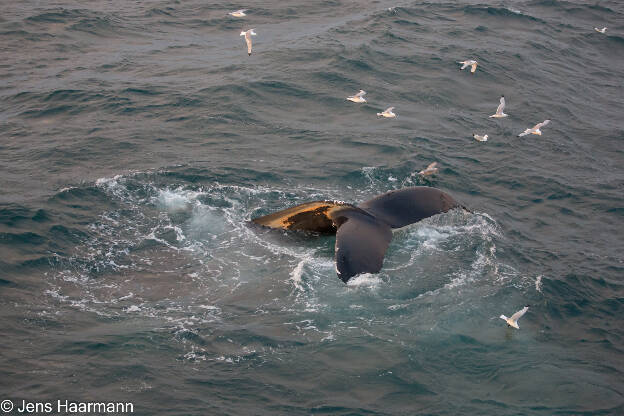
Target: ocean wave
{"x": 498, "y": 12}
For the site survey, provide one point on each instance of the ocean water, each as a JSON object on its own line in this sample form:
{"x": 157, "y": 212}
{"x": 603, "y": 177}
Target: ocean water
{"x": 137, "y": 139}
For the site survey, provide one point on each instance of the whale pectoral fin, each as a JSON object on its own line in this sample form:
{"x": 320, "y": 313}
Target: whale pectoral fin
{"x": 312, "y": 216}
{"x": 361, "y": 243}
{"x": 409, "y": 205}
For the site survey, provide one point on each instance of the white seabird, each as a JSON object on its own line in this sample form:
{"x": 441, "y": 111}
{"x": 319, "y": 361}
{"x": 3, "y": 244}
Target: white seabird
{"x": 358, "y": 98}
{"x": 238, "y": 13}
{"x": 430, "y": 170}
{"x": 248, "y": 34}
{"x": 469, "y": 63}
{"x": 603, "y": 30}
{"x": 535, "y": 129}
{"x": 513, "y": 321}
{"x": 387, "y": 113}
{"x": 480, "y": 138}
{"x": 499, "y": 110}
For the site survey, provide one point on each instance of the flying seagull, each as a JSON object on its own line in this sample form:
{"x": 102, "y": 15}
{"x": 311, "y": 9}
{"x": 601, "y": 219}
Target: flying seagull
{"x": 430, "y": 170}
{"x": 238, "y": 13}
{"x": 535, "y": 129}
{"x": 358, "y": 98}
{"x": 603, "y": 30}
{"x": 480, "y": 138}
{"x": 499, "y": 110}
{"x": 469, "y": 63}
{"x": 248, "y": 34}
{"x": 513, "y": 321}
{"x": 387, "y": 113}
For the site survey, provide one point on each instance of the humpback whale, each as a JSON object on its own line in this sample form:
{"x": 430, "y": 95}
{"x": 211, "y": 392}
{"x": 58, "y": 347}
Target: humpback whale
{"x": 363, "y": 232}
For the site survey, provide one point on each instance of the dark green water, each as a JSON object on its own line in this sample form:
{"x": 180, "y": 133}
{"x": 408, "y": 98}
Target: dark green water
{"x": 138, "y": 138}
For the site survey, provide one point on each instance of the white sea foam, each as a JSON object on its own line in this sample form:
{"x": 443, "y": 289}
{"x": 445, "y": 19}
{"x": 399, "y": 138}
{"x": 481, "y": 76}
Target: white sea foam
{"x": 538, "y": 283}
{"x": 367, "y": 171}
{"x": 329, "y": 337}
{"x": 128, "y": 296}
{"x": 210, "y": 308}
{"x": 398, "y": 306}
{"x": 176, "y": 200}
{"x": 207, "y": 252}
{"x": 108, "y": 182}
{"x": 296, "y": 274}
{"x": 69, "y": 188}
{"x": 365, "y": 280}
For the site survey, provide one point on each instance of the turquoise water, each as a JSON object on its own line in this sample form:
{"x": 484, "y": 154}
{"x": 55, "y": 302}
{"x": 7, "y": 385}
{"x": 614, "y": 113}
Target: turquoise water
{"x": 138, "y": 139}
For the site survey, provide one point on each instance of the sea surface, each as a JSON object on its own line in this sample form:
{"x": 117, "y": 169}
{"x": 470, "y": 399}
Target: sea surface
{"x": 138, "y": 138}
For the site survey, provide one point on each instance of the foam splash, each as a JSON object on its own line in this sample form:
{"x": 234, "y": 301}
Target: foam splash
{"x": 398, "y": 306}
{"x": 365, "y": 280}
{"x": 194, "y": 247}
{"x": 296, "y": 274}
{"x": 176, "y": 200}
{"x": 367, "y": 171}
{"x": 432, "y": 236}
{"x": 538, "y": 283}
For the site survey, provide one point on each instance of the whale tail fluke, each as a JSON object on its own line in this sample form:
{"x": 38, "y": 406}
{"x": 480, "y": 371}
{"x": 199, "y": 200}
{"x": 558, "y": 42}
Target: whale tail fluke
{"x": 409, "y": 205}
{"x": 361, "y": 244}
{"x": 315, "y": 216}
{"x": 363, "y": 233}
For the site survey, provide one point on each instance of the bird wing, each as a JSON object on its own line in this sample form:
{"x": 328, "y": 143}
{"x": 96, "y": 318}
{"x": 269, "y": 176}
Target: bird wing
{"x": 524, "y": 133}
{"x": 474, "y": 67}
{"x": 432, "y": 165}
{"x": 248, "y": 40}
{"x": 501, "y": 106}
{"x": 389, "y": 110}
{"x": 465, "y": 64}
{"x": 519, "y": 314}
{"x": 540, "y": 125}
{"x": 360, "y": 94}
